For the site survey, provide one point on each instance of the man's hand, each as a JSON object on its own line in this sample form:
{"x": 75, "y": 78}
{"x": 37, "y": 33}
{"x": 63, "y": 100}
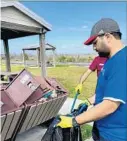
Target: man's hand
{"x": 87, "y": 102}
{"x": 78, "y": 88}
{"x": 83, "y": 103}
{"x": 67, "y": 122}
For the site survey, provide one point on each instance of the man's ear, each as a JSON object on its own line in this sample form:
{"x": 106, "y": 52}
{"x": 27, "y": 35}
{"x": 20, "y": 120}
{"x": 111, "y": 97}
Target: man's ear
{"x": 109, "y": 37}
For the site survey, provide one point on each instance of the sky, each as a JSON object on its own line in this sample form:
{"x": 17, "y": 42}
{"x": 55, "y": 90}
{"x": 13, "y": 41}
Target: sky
{"x": 71, "y": 24}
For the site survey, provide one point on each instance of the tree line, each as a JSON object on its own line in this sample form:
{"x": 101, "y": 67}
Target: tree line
{"x": 63, "y": 58}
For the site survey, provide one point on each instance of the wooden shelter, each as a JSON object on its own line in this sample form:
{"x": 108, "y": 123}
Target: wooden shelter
{"x": 18, "y": 21}
{"x": 37, "y": 48}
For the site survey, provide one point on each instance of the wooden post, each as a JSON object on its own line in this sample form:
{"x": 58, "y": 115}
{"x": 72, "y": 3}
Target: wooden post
{"x": 42, "y": 54}
{"x": 7, "y": 56}
{"x": 23, "y": 53}
{"x": 54, "y": 60}
{"x": 38, "y": 57}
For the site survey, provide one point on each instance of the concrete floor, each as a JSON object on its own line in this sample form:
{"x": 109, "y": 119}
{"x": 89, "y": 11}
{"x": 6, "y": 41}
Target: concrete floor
{"x": 34, "y": 134}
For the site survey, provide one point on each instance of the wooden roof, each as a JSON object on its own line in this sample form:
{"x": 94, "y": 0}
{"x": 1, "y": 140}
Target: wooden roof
{"x": 35, "y": 47}
{"x": 19, "y": 21}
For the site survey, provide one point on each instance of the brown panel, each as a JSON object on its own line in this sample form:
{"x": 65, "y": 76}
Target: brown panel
{"x": 56, "y": 85}
{"x": 34, "y": 116}
{"x": 51, "y": 110}
{"x": 35, "y": 96}
{"x": 3, "y": 118}
{"x": 13, "y": 124}
{"x": 22, "y": 87}
{"x": 57, "y": 107}
{"x": 50, "y": 102}
{"x": 48, "y": 113}
{"x": 6, "y": 125}
{"x": 40, "y": 92}
{"x": 60, "y": 104}
{"x": 28, "y": 117}
{"x": 8, "y": 105}
{"x": 44, "y": 85}
{"x": 45, "y": 111}
{"x": 39, "y": 117}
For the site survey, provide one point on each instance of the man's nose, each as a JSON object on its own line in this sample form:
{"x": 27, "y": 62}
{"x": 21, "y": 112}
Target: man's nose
{"x": 94, "y": 47}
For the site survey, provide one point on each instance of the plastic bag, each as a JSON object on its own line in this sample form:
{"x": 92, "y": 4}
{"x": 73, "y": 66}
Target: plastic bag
{"x": 63, "y": 134}
{"x": 53, "y": 133}
{"x": 72, "y": 134}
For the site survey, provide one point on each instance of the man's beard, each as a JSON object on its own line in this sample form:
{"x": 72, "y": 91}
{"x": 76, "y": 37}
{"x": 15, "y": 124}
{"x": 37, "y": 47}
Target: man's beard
{"x": 104, "y": 54}
{"x": 103, "y": 50}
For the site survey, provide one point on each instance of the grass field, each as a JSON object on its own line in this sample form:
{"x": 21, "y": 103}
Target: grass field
{"x": 68, "y": 76}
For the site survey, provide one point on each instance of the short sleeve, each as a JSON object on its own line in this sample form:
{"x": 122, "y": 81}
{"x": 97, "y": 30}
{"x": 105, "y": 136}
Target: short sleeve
{"x": 93, "y": 65}
{"x": 115, "y": 88}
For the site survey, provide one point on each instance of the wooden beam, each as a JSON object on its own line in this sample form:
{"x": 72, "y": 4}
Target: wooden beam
{"x": 7, "y": 56}
{"x": 42, "y": 54}
{"x": 54, "y": 60}
{"x": 38, "y": 57}
{"x": 19, "y": 27}
{"x": 23, "y": 54}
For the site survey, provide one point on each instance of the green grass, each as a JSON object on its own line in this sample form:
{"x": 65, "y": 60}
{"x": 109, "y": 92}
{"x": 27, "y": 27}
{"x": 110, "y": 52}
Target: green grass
{"x": 86, "y": 131}
{"x": 69, "y": 78}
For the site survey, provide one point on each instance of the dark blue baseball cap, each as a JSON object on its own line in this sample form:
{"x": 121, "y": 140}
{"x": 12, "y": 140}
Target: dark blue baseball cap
{"x": 105, "y": 25}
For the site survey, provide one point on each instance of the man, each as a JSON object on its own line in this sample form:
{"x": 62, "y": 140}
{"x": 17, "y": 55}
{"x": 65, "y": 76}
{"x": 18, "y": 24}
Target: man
{"x": 96, "y": 64}
{"x": 110, "y": 111}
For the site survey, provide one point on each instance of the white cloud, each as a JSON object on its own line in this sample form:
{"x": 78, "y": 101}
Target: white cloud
{"x": 74, "y": 29}
{"x": 85, "y": 27}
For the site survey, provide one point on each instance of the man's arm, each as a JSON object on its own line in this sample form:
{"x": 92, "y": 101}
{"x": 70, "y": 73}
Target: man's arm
{"x": 84, "y": 76}
{"x": 97, "y": 112}
{"x": 92, "y": 67}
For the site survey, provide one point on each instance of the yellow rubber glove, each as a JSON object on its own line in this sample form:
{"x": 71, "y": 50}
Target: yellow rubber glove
{"x": 87, "y": 102}
{"x": 66, "y": 122}
{"x": 78, "y": 88}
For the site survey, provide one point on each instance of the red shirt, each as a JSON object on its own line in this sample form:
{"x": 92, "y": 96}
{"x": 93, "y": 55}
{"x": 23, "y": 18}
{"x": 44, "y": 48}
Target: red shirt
{"x": 97, "y": 64}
